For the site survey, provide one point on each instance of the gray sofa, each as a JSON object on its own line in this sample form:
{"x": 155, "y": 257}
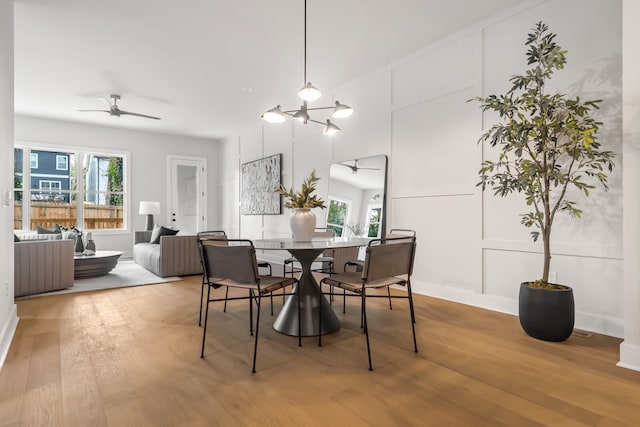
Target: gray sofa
{"x": 42, "y": 266}
{"x": 173, "y": 256}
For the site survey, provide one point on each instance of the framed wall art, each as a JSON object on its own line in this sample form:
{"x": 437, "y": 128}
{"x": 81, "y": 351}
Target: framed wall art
{"x": 259, "y": 180}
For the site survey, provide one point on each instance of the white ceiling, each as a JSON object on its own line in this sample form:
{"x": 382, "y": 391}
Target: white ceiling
{"x": 192, "y": 62}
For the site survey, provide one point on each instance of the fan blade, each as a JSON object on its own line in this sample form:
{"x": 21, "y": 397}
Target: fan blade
{"x": 102, "y": 98}
{"x": 369, "y": 169}
{"x": 103, "y": 111}
{"x": 138, "y": 114}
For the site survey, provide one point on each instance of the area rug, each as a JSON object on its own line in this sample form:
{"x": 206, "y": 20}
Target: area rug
{"x": 125, "y": 274}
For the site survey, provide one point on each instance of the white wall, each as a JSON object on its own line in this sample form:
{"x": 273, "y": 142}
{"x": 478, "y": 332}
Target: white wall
{"x": 8, "y": 315}
{"x": 630, "y": 348}
{"x": 471, "y": 246}
{"x": 147, "y": 166}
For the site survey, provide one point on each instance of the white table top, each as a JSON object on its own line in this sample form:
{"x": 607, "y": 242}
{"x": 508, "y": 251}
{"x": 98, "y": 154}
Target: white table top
{"x": 317, "y": 243}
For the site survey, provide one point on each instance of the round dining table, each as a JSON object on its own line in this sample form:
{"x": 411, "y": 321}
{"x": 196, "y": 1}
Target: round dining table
{"x": 308, "y": 290}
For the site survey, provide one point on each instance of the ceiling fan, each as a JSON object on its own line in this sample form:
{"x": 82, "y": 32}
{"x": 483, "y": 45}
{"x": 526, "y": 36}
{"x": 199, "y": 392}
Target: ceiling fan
{"x": 354, "y": 168}
{"x": 114, "y": 110}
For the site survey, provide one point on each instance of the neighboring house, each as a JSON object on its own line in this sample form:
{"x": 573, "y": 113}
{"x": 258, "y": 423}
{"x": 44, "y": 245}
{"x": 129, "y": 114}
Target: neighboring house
{"x": 50, "y": 174}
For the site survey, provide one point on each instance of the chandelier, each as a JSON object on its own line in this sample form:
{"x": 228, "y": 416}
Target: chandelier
{"x": 308, "y": 93}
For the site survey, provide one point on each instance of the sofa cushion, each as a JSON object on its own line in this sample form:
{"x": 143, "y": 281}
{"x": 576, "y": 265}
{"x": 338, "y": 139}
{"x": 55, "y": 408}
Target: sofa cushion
{"x": 159, "y": 231}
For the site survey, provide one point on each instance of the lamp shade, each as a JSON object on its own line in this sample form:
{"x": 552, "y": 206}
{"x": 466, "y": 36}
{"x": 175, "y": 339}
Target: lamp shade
{"x": 149, "y": 208}
{"x": 274, "y": 115}
{"x": 342, "y": 110}
{"x": 309, "y": 92}
{"x": 330, "y": 128}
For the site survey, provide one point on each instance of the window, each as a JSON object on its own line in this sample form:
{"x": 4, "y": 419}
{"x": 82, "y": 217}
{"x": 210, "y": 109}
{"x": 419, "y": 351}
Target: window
{"x": 62, "y": 162}
{"x": 50, "y": 185}
{"x": 75, "y": 188}
{"x": 373, "y": 221}
{"x": 337, "y": 215}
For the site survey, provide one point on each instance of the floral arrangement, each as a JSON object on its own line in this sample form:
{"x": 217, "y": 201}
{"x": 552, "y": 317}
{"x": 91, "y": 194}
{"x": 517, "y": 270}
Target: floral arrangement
{"x": 304, "y": 198}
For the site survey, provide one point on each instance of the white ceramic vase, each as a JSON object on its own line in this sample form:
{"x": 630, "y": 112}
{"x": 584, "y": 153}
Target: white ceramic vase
{"x": 303, "y": 224}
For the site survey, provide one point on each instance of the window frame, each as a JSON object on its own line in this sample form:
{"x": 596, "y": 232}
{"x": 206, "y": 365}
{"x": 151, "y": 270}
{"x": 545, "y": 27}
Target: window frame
{"x": 66, "y": 162}
{"x": 50, "y": 187}
{"x": 368, "y": 223}
{"x": 347, "y": 214}
{"x": 80, "y": 191}
{"x": 32, "y": 157}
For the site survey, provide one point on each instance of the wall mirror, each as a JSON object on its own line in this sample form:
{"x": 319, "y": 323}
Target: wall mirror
{"x": 357, "y": 197}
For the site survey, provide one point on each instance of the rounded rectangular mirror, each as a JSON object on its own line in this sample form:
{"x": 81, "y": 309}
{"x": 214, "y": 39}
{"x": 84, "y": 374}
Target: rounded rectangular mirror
{"x": 357, "y": 197}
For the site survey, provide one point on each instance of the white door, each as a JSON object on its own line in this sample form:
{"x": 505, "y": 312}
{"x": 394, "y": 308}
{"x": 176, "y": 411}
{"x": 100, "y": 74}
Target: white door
{"x": 188, "y": 195}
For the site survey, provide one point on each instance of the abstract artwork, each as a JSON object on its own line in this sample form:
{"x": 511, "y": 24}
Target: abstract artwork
{"x": 259, "y": 180}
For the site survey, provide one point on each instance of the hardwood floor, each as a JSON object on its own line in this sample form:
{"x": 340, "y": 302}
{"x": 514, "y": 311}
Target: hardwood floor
{"x": 131, "y": 357}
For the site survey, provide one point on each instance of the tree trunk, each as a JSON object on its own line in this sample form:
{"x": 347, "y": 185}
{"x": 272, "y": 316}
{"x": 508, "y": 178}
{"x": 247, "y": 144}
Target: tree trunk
{"x": 546, "y": 240}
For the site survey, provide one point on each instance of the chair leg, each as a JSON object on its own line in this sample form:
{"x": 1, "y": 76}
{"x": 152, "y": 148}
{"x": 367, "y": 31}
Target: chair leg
{"x": 299, "y": 323}
{"x": 413, "y": 315}
{"x": 226, "y": 295}
{"x": 206, "y": 318}
{"x": 251, "y": 297}
{"x": 201, "y": 300}
{"x": 344, "y": 301}
{"x": 389, "y": 293}
{"x": 413, "y": 318}
{"x": 366, "y": 328}
{"x": 320, "y": 314}
{"x": 255, "y": 345}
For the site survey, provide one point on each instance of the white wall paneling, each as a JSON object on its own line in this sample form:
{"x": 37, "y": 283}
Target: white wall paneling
{"x": 471, "y": 246}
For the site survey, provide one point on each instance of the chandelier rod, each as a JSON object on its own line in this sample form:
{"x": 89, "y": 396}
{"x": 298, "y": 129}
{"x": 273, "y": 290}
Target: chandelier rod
{"x": 305, "y": 43}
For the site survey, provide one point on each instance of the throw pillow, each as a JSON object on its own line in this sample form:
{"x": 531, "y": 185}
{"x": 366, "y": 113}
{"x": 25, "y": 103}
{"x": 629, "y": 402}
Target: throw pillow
{"x": 15, "y": 237}
{"x": 43, "y": 230}
{"x": 159, "y": 231}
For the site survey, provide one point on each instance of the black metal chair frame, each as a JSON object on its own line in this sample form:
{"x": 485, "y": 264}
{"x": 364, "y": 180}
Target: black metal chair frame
{"x": 358, "y": 265}
{"x": 372, "y": 278}
{"x": 219, "y": 270}
{"x": 222, "y": 236}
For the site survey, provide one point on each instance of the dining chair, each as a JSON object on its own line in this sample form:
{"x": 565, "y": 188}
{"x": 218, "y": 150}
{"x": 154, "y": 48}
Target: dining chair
{"x": 220, "y": 237}
{"x": 213, "y": 237}
{"x": 234, "y": 265}
{"x": 388, "y": 261}
{"x": 397, "y": 234}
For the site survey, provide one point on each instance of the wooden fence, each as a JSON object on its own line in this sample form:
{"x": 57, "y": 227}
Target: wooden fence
{"x": 48, "y": 214}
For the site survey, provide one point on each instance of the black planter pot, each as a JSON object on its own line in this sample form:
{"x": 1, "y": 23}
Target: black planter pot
{"x": 547, "y": 314}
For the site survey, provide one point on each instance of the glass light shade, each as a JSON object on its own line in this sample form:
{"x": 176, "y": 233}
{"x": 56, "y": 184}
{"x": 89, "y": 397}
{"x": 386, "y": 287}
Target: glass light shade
{"x": 309, "y": 92}
{"x": 341, "y": 111}
{"x": 330, "y": 128}
{"x": 149, "y": 208}
{"x": 274, "y": 115}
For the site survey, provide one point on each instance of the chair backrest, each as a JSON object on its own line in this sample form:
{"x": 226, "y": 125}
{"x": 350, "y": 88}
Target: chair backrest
{"x": 213, "y": 237}
{"x": 401, "y": 233}
{"x": 324, "y": 232}
{"x": 389, "y": 257}
{"x": 234, "y": 261}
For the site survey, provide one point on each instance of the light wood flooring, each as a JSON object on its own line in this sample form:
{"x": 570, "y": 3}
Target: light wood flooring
{"x": 131, "y": 357}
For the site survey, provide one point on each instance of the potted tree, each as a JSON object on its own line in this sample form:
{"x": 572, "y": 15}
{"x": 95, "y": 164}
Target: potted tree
{"x": 547, "y": 147}
{"x": 303, "y": 220}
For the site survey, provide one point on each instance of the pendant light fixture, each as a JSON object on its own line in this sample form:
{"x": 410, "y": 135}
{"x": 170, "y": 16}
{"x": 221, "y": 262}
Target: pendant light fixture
{"x": 308, "y": 93}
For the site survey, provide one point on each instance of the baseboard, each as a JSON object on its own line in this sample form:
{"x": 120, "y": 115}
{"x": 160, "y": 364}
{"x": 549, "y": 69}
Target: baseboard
{"x": 6, "y": 335}
{"x": 587, "y": 321}
{"x": 629, "y": 356}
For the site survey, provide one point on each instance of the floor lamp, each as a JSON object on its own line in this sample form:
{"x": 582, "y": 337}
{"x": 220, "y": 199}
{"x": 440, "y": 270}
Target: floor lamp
{"x": 149, "y": 209}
